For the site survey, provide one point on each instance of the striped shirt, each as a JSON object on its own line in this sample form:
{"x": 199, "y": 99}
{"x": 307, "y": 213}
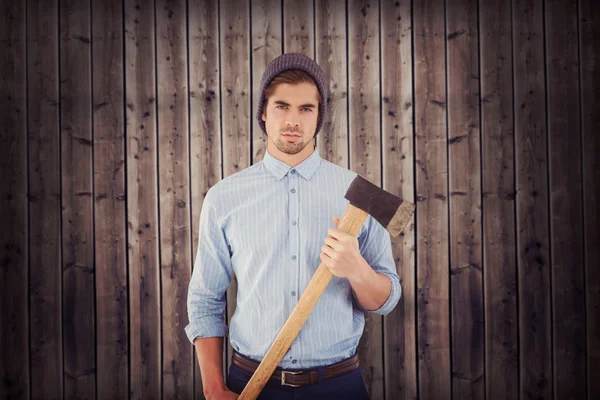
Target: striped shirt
{"x": 267, "y": 224}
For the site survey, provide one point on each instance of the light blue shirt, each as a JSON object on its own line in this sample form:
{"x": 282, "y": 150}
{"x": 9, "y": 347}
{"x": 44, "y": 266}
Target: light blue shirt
{"x": 267, "y": 224}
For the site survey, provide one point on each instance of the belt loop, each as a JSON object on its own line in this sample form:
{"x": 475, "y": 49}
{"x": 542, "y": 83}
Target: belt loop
{"x": 321, "y": 374}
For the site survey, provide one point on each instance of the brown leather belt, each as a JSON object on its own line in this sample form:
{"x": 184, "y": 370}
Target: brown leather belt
{"x": 298, "y": 378}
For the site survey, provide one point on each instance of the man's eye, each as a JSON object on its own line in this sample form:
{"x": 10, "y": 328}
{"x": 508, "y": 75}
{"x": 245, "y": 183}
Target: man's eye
{"x": 281, "y": 107}
{"x": 306, "y": 109}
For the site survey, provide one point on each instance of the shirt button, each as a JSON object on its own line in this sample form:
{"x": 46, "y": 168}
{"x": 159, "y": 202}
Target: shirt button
{"x": 293, "y": 171}
{"x": 294, "y": 361}
{"x": 293, "y": 293}
{"x": 293, "y": 257}
{"x": 293, "y": 190}
{"x": 293, "y": 223}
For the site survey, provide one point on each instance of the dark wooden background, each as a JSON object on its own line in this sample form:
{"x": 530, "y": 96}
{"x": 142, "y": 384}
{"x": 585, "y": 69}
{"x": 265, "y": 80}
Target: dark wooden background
{"x": 117, "y": 116}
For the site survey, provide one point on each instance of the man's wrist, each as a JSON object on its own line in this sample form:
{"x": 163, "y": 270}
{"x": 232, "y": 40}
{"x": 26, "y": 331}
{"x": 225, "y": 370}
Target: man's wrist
{"x": 363, "y": 273}
{"x": 216, "y": 387}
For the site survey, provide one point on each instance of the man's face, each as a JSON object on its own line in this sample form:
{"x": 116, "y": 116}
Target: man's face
{"x": 291, "y": 116}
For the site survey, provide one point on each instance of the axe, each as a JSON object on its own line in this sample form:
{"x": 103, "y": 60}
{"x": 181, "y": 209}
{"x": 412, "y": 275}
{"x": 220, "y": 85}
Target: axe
{"x": 365, "y": 199}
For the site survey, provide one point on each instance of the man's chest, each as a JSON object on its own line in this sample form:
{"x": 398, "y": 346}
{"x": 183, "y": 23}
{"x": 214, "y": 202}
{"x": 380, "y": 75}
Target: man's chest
{"x": 280, "y": 226}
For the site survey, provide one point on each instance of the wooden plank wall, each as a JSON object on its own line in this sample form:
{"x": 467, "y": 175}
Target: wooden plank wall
{"x": 119, "y": 115}
{"x": 15, "y": 370}
{"x": 45, "y": 278}
{"x": 144, "y": 336}
{"x": 110, "y": 229}
{"x": 589, "y": 59}
{"x": 432, "y": 297}
{"x": 77, "y": 187}
{"x": 531, "y": 184}
{"x": 498, "y": 203}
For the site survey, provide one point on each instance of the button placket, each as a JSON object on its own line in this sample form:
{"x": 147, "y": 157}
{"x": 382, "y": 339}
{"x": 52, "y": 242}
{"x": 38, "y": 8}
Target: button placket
{"x": 294, "y": 204}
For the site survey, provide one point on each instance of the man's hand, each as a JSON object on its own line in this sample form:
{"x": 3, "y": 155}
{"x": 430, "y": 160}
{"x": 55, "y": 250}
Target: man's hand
{"x": 342, "y": 254}
{"x": 226, "y": 394}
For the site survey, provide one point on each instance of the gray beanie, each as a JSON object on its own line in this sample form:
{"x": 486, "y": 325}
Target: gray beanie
{"x": 293, "y": 61}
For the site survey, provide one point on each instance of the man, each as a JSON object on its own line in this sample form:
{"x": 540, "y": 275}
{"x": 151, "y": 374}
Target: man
{"x": 269, "y": 224}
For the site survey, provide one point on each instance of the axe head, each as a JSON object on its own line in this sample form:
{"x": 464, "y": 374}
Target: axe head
{"x": 389, "y": 210}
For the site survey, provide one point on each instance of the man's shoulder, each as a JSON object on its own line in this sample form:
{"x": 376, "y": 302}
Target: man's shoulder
{"x": 338, "y": 171}
{"x": 232, "y": 183}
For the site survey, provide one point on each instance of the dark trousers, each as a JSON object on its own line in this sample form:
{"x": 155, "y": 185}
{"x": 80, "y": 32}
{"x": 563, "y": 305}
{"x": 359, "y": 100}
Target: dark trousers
{"x": 348, "y": 387}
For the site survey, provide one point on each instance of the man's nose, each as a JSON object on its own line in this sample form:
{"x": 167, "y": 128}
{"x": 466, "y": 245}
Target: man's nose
{"x": 293, "y": 118}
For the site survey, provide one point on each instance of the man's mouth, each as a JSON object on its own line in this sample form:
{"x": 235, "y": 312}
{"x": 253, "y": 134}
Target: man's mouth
{"x": 291, "y": 137}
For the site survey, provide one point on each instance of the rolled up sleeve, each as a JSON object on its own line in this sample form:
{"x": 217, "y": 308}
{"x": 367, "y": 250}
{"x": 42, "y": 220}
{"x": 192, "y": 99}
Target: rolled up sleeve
{"x": 210, "y": 277}
{"x": 376, "y": 248}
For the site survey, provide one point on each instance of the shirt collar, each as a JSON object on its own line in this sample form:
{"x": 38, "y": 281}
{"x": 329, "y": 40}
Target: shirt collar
{"x": 279, "y": 169}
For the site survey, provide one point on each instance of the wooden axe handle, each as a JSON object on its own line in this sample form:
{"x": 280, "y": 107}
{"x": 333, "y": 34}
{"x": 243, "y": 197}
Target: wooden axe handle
{"x": 350, "y": 223}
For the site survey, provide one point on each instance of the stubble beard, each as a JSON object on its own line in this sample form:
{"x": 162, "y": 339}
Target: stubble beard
{"x": 287, "y": 147}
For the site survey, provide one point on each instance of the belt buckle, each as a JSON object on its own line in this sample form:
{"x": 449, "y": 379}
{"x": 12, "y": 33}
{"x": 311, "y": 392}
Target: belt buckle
{"x": 284, "y": 383}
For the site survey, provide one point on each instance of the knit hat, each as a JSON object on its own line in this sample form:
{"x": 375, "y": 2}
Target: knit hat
{"x": 293, "y": 61}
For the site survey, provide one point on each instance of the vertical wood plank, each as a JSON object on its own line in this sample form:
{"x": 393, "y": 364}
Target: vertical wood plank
{"x": 533, "y": 258}
{"x": 235, "y": 101}
{"x": 400, "y": 356}
{"x": 44, "y": 200}
{"x": 142, "y": 201}
{"x": 331, "y": 55}
{"x": 432, "y": 193}
{"x": 205, "y": 129}
{"x": 109, "y": 200}
{"x": 589, "y": 30}
{"x": 298, "y": 27}
{"x": 78, "y": 135}
{"x": 464, "y": 151}
{"x": 566, "y": 214}
{"x": 77, "y": 204}
{"x": 497, "y": 143}
{"x": 266, "y": 45}
{"x": 14, "y": 325}
{"x": 365, "y": 153}
{"x": 174, "y": 205}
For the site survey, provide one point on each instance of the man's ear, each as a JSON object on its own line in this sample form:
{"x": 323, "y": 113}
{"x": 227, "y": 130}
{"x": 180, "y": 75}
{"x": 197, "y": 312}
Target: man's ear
{"x": 264, "y": 118}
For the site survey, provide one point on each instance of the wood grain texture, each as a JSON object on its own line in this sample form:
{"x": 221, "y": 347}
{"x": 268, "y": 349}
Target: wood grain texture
{"x": 14, "y": 318}
{"x": 498, "y": 202}
{"x": 400, "y": 353}
{"x": 145, "y": 339}
{"x": 109, "y": 200}
{"x": 589, "y": 58}
{"x": 331, "y": 55}
{"x": 82, "y": 157}
{"x": 235, "y": 102}
{"x": 267, "y": 39}
{"x": 432, "y": 297}
{"x": 531, "y": 169}
{"x": 205, "y": 127}
{"x": 464, "y": 169}
{"x": 298, "y": 27}
{"x": 174, "y": 192}
{"x": 77, "y": 202}
{"x": 44, "y": 200}
{"x": 566, "y": 213}
{"x": 365, "y": 154}
{"x": 400, "y": 356}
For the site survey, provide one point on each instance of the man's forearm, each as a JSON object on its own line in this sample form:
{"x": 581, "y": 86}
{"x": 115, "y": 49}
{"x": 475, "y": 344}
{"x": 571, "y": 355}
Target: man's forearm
{"x": 371, "y": 288}
{"x": 210, "y": 358}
